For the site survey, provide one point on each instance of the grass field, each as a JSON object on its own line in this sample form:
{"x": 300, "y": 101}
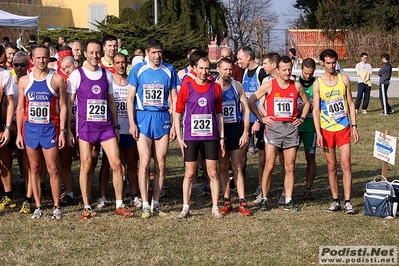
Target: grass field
{"x": 272, "y": 238}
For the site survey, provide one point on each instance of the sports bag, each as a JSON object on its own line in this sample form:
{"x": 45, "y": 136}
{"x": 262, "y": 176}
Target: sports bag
{"x": 380, "y": 199}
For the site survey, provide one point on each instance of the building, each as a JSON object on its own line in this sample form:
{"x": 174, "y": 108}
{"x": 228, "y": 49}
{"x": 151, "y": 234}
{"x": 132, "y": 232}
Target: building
{"x": 81, "y": 14}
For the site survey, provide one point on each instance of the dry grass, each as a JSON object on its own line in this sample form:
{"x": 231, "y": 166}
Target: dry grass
{"x": 272, "y": 238}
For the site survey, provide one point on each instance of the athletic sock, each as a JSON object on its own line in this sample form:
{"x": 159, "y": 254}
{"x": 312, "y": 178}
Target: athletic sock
{"x": 186, "y": 207}
{"x": 118, "y": 203}
{"x": 154, "y": 204}
{"x": 145, "y": 205}
{"x": 287, "y": 200}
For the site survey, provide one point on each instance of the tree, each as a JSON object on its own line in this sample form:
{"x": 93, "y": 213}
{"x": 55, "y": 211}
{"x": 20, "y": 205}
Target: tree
{"x": 250, "y": 23}
{"x": 308, "y": 18}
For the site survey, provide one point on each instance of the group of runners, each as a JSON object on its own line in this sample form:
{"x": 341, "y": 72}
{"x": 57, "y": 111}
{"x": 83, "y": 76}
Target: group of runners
{"x": 134, "y": 116}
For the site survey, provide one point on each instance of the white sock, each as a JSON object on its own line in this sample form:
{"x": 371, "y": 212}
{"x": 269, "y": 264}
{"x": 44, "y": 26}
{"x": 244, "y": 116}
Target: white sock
{"x": 70, "y": 194}
{"x": 215, "y": 208}
{"x": 118, "y": 203}
{"x": 87, "y": 207}
{"x": 154, "y": 204}
{"x": 145, "y": 204}
{"x": 186, "y": 208}
{"x": 264, "y": 198}
{"x": 287, "y": 200}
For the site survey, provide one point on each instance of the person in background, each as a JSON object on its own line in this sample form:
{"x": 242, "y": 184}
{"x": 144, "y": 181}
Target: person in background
{"x": 385, "y": 73}
{"x": 364, "y": 71}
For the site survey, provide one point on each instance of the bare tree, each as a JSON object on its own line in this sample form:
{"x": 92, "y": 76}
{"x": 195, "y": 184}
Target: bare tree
{"x": 250, "y": 23}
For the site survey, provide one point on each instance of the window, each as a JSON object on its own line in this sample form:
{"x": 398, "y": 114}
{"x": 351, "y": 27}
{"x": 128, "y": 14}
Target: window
{"x": 97, "y": 12}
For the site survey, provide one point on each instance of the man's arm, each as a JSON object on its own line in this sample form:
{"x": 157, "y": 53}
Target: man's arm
{"x": 244, "y": 104}
{"x": 59, "y": 83}
{"x": 263, "y": 90}
{"x": 316, "y": 113}
{"x": 22, "y": 83}
{"x": 351, "y": 105}
{"x": 131, "y": 112}
{"x": 173, "y": 99}
{"x": 114, "y": 111}
{"x": 8, "y": 87}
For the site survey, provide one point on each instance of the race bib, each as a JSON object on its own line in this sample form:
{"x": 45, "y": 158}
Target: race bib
{"x": 153, "y": 94}
{"x": 121, "y": 106}
{"x": 283, "y": 107}
{"x": 229, "y": 112}
{"x": 96, "y": 110}
{"x": 39, "y": 112}
{"x": 201, "y": 125}
{"x": 336, "y": 108}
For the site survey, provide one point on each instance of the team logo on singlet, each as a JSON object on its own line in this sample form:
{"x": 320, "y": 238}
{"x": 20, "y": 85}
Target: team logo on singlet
{"x": 292, "y": 94}
{"x": 230, "y": 94}
{"x": 31, "y": 96}
{"x": 96, "y": 89}
{"x": 202, "y": 102}
{"x": 252, "y": 82}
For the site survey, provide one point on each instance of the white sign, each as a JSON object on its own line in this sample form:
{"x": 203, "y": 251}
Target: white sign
{"x": 385, "y": 147}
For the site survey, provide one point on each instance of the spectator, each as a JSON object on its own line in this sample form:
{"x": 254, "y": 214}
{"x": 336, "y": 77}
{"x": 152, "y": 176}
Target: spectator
{"x": 364, "y": 71}
{"x": 385, "y": 75}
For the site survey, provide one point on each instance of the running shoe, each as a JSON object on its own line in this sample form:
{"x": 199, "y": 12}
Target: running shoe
{"x": 226, "y": 208}
{"x": 252, "y": 150}
{"x": 66, "y": 199}
{"x": 37, "y": 214}
{"x": 263, "y": 205}
{"x": 158, "y": 213}
{"x": 364, "y": 112}
{"x": 124, "y": 211}
{"x": 7, "y": 203}
{"x": 57, "y": 214}
{"x": 136, "y": 202}
{"x": 206, "y": 188}
{"x": 290, "y": 206}
{"x": 216, "y": 213}
{"x": 164, "y": 192}
{"x": 335, "y": 207}
{"x": 258, "y": 191}
{"x": 25, "y": 208}
{"x": 87, "y": 214}
{"x": 101, "y": 202}
{"x": 348, "y": 208}
{"x": 196, "y": 191}
{"x": 146, "y": 213}
{"x": 258, "y": 199}
{"x": 184, "y": 214}
{"x": 307, "y": 194}
{"x": 281, "y": 200}
{"x": 244, "y": 209}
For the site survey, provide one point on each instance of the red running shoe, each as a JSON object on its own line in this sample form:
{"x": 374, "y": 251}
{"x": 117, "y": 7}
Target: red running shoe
{"x": 244, "y": 209}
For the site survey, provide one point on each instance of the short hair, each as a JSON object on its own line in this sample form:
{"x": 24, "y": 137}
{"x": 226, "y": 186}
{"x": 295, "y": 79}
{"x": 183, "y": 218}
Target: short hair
{"x": 204, "y": 58}
{"x": 2, "y": 50}
{"x": 328, "y": 53}
{"x": 64, "y": 48}
{"x": 195, "y": 56}
{"x": 363, "y": 54}
{"x": 70, "y": 43}
{"x": 224, "y": 60}
{"x": 63, "y": 38}
{"x": 248, "y": 51}
{"x": 46, "y": 39}
{"x": 20, "y": 54}
{"x": 154, "y": 43}
{"x": 138, "y": 51}
{"x": 68, "y": 58}
{"x": 39, "y": 46}
{"x": 32, "y": 37}
{"x": 386, "y": 56}
{"x": 96, "y": 41}
{"x": 272, "y": 57}
{"x": 121, "y": 55}
{"x": 109, "y": 38}
{"x": 308, "y": 63}
{"x": 6, "y": 39}
{"x": 11, "y": 45}
{"x": 293, "y": 51}
{"x": 191, "y": 50}
{"x": 285, "y": 59}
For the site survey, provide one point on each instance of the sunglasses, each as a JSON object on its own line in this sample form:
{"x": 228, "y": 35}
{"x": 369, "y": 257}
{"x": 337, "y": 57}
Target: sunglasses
{"x": 20, "y": 64}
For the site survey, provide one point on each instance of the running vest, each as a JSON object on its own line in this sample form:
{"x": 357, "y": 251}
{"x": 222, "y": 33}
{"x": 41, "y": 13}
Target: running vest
{"x": 333, "y": 105}
{"x": 92, "y": 112}
{"x": 308, "y": 124}
{"x": 106, "y": 65}
{"x": 231, "y": 104}
{"x": 200, "y": 115}
{"x": 282, "y": 103}
{"x": 120, "y": 95}
{"x": 41, "y": 101}
{"x": 251, "y": 84}
{"x": 153, "y": 85}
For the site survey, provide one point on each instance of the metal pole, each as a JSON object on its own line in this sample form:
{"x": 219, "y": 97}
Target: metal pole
{"x": 156, "y": 12}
